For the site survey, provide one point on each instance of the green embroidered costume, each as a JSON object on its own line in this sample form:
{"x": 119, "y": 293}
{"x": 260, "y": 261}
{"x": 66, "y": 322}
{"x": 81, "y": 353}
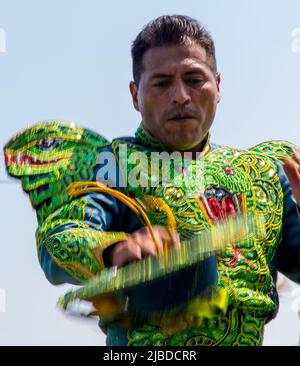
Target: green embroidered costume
{"x": 75, "y": 229}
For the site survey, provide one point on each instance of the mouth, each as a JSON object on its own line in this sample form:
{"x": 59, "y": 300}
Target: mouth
{"x": 220, "y": 204}
{"x": 181, "y": 117}
{"x": 23, "y": 159}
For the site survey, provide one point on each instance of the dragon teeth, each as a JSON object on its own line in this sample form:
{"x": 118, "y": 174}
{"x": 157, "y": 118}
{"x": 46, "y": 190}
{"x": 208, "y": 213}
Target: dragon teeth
{"x": 19, "y": 158}
{"x": 236, "y": 203}
{"x": 204, "y": 201}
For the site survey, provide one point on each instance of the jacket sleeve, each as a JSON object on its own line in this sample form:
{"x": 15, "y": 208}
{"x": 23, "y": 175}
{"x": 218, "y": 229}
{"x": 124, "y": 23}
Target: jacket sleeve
{"x": 288, "y": 253}
{"x": 72, "y": 239}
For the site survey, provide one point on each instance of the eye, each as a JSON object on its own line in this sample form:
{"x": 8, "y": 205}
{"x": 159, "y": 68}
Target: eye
{"x": 196, "y": 81}
{"x": 161, "y": 84}
{"x": 49, "y": 143}
{"x": 229, "y": 170}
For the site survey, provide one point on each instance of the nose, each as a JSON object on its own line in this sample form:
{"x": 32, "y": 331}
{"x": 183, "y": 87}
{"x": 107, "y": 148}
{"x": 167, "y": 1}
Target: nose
{"x": 180, "y": 94}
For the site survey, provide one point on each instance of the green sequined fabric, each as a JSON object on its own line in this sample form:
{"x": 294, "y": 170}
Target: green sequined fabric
{"x": 251, "y": 177}
{"x": 49, "y": 156}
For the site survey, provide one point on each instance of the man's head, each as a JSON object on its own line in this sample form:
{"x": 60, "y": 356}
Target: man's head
{"x": 176, "y": 84}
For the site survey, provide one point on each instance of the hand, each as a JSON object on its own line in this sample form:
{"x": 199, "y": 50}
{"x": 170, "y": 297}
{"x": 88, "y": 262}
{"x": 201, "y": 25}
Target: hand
{"x": 140, "y": 245}
{"x": 293, "y": 175}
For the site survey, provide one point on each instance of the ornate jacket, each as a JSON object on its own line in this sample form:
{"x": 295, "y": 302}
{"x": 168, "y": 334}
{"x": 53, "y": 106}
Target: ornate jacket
{"x": 73, "y": 231}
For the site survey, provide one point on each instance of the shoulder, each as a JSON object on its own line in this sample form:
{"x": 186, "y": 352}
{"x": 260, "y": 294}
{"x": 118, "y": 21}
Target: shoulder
{"x": 275, "y": 149}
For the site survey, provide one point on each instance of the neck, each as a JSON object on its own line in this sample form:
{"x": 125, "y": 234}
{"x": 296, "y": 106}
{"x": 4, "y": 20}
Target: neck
{"x": 198, "y": 150}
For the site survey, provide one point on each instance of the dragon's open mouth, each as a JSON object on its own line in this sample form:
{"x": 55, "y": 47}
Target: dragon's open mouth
{"x": 219, "y": 203}
{"x": 23, "y": 159}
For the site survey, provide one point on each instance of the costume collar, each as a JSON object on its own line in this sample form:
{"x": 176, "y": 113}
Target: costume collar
{"x": 148, "y": 140}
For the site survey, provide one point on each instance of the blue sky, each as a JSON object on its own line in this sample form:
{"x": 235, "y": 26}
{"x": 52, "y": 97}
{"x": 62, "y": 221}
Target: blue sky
{"x": 70, "y": 60}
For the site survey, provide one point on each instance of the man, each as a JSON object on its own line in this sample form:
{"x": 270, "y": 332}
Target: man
{"x": 176, "y": 89}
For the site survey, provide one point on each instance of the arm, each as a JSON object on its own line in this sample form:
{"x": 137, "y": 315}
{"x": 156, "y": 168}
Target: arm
{"x": 71, "y": 241}
{"x": 288, "y": 252}
{"x": 287, "y": 258}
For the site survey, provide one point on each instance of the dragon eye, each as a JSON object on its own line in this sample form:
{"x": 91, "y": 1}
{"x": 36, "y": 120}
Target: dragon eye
{"x": 229, "y": 170}
{"x": 49, "y": 143}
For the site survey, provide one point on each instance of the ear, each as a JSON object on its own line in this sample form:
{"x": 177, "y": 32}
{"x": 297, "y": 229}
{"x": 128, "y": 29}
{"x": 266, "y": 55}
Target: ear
{"x": 218, "y": 82}
{"x": 134, "y": 94}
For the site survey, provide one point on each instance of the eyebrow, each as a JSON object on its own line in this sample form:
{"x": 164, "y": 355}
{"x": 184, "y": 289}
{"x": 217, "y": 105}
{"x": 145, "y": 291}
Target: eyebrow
{"x": 161, "y": 75}
{"x": 195, "y": 70}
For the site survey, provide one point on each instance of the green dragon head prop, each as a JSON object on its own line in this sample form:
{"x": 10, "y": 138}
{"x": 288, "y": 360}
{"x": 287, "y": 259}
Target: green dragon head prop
{"x": 47, "y": 157}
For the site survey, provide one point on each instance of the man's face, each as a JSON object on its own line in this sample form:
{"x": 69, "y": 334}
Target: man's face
{"x": 177, "y": 95}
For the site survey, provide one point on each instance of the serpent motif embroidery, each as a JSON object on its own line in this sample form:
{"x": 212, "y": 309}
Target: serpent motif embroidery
{"x": 49, "y": 156}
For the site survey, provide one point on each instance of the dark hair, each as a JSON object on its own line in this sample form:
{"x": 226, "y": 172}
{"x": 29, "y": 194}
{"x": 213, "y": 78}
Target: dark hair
{"x": 169, "y": 30}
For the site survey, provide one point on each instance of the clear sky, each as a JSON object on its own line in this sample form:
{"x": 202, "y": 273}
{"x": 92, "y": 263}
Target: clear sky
{"x": 70, "y": 60}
